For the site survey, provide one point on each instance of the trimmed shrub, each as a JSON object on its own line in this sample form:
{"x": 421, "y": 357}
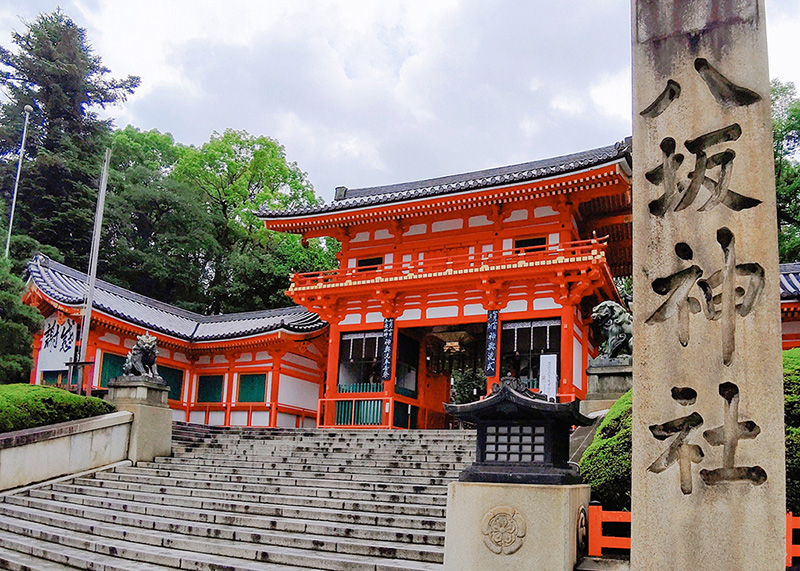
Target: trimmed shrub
{"x": 606, "y": 464}
{"x": 28, "y": 406}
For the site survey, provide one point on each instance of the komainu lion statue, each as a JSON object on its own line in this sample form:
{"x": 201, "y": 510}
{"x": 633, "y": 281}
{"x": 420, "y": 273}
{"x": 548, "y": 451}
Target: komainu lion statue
{"x": 615, "y": 325}
{"x": 142, "y": 358}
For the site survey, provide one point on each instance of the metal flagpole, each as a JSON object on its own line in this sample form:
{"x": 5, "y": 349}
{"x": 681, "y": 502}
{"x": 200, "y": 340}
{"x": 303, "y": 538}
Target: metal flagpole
{"x": 87, "y": 310}
{"x": 28, "y": 110}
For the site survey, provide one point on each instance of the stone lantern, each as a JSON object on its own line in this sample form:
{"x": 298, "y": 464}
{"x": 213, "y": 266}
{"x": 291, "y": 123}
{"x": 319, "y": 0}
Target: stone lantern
{"x": 522, "y": 437}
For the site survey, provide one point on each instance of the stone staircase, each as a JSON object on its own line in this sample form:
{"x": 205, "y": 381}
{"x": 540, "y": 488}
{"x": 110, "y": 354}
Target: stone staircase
{"x": 248, "y": 499}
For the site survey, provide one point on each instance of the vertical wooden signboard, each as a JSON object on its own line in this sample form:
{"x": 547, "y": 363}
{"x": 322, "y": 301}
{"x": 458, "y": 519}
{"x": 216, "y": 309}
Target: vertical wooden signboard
{"x": 708, "y": 438}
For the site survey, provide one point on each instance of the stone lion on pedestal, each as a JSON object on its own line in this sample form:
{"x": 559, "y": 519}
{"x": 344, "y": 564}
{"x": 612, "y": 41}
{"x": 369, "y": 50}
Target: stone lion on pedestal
{"x": 141, "y": 360}
{"x": 615, "y": 325}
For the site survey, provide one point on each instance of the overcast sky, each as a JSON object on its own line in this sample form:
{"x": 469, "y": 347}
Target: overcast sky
{"x": 374, "y": 92}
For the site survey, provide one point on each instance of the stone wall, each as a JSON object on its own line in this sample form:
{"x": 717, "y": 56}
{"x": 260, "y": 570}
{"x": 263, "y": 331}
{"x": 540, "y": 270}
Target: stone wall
{"x": 37, "y": 454}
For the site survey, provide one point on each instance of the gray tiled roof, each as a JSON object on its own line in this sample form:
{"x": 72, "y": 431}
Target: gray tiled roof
{"x": 359, "y": 197}
{"x": 68, "y": 286}
{"x": 790, "y": 281}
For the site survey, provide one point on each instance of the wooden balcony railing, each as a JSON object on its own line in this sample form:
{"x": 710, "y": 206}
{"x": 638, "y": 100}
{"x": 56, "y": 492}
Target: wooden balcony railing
{"x": 578, "y": 252}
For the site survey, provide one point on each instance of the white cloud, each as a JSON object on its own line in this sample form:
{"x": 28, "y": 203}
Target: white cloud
{"x": 568, "y": 103}
{"x": 611, "y": 95}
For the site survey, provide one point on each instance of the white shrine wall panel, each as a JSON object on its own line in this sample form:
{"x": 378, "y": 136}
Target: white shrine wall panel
{"x": 296, "y": 392}
{"x": 285, "y": 420}
{"x": 302, "y": 361}
{"x": 239, "y": 418}
{"x": 260, "y": 418}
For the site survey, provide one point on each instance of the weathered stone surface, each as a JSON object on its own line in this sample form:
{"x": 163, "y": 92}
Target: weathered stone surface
{"x": 151, "y": 431}
{"x": 542, "y": 538}
{"x": 708, "y": 452}
{"x": 36, "y": 454}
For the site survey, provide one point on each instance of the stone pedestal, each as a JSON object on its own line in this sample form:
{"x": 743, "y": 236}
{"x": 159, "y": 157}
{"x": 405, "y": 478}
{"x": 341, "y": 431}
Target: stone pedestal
{"x": 607, "y": 380}
{"x": 513, "y": 526}
{"x": 151, "y": 431}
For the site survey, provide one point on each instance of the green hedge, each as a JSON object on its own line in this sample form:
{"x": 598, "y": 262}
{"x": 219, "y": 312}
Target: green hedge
{"x": 606, "y": 464}
{"x": 28, "y": 406}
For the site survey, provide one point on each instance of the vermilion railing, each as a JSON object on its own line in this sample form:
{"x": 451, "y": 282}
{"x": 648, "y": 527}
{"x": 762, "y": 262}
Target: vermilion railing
{"x": 504, "y": 259}
{"x": 598, "y": 541}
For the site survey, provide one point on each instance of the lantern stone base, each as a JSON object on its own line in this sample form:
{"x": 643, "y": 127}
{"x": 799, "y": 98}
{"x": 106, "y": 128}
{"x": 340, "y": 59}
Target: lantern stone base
{"x": 514, "y": 526}
{"x": 146, "y": 398}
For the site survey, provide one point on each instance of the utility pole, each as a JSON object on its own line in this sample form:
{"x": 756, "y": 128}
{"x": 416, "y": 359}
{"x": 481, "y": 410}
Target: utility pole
{"x": 28, "y": 110}
{"x": 87, "y": 310}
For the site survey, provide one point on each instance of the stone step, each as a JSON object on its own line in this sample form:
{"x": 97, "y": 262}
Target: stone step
{"x": 97, "y": 496}
{"x": 120, "y": 511}
{"x": 381, "y": 504}
{"x": 397, "y": 452}
{"x": 176, "y": 550}
{"x": 221, "y": 462}
{"x": 190, "y": 488}
{"x": 328, "y": 460}
{"x": 176, "y": 467}
{"x": 18, "y": 561}
{"x": 213, "y": 480}
{"x": 61, "y": 515}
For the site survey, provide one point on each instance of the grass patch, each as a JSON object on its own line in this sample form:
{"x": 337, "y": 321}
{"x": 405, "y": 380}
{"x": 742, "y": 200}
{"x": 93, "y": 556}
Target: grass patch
{"x": 28, "y": 406}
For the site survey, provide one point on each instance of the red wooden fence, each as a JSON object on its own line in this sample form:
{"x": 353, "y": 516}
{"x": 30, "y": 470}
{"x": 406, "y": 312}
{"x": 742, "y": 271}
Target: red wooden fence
{"x": 598, "y": 541}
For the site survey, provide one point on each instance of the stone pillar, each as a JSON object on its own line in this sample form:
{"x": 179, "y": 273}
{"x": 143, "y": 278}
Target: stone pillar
{"x": 708, "y": 436}
{"x": 151, "y": 431}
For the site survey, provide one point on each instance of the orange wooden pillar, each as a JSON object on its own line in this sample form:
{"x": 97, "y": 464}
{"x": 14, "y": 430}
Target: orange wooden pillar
{"x": 328, "y": 414}
{"x": 566, "y": 389}
{"x": 277, "y": 354}
{"x": 229, "y": 387}
{"x": 37, "y": 346}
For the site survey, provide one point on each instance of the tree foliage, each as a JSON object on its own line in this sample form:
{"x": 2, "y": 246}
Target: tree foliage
{"x": 54, "y": 69}
{"x": 18, "y": 323}
{"x": 786, "y": 143}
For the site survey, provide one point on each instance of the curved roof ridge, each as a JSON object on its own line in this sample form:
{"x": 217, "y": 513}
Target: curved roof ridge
{"x": 68, "y": 286}
{"x": 474, "y": 180}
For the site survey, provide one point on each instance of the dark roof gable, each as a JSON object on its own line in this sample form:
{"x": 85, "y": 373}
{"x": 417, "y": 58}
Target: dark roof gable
{"x": 68, "y": 286}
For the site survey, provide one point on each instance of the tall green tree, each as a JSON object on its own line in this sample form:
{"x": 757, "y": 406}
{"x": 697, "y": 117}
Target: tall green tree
{"x": 157, "y": 237}
{"x": 18, "y": 323}
{"x": 53, "y": 68}
{"x": 235, "y": 174}
{"x": 786, "y": 143}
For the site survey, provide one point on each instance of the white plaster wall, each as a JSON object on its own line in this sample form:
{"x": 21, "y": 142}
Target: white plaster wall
{"x": 298, "y": 360}
{"x": 444, "y": 311}
{"x": 577, "y": 363}
{"x": 445, "y": 225}
{"x": 360, "y": 237}
{"x": 110, "y": 338}
{"x": 515, "y": 305}
{"x": 791, "y": 327}
{"x": 383, "y": 234}
{"x": 286, "y": 420}
{"x": 544, "y": 211}
{"x": 410, "y": 314}
{"x": 260, "y": 418}
{"x": 416, "y": 229}
{"x": 474, "y": 309}
{"x": 220, "y": 359}
{"x": 197, "y": 417}
{"x": 129, "y": 343}
{"x": 216, "y": 418}
{"x": 545, "y": 303}
{"x": 204, "y": 360}
{"x": 239, "y": 418}
{"x": 481, "y": 220}
{"x": 552, "y": 239}
{"x": 244, "y": 358}
{"x": 180, "y": 357}
{"x": 262, "y": 356}
{"x": 374, "y": 317}
{"x": 178, "y": 415}
{"x": 297, "y": 392}
{"x": 351, "y": 319}
{"x": 517, "y": 215}
{"x": 309, "y": 422}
